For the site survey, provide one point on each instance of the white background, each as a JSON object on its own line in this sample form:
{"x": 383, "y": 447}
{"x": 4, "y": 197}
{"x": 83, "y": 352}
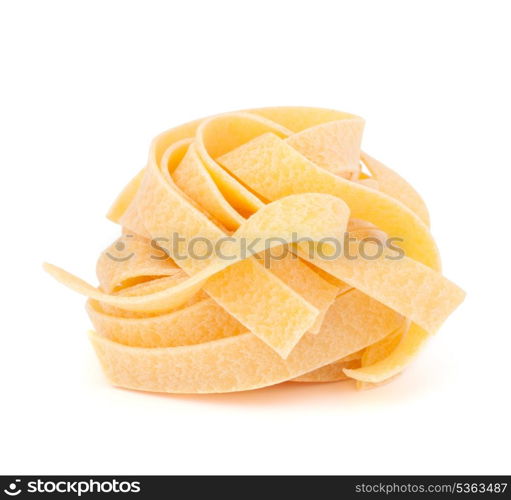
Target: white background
{"x": 84, "y": 88}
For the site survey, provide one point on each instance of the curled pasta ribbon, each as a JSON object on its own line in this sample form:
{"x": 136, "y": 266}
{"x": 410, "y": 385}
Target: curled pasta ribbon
{"x": 272, "y": 178}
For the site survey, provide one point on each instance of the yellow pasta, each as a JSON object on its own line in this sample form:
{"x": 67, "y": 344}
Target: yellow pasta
{"x": 256, "y": 250}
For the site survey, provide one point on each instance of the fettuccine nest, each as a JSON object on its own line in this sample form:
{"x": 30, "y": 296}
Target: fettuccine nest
{"x": 205, "y": 323}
